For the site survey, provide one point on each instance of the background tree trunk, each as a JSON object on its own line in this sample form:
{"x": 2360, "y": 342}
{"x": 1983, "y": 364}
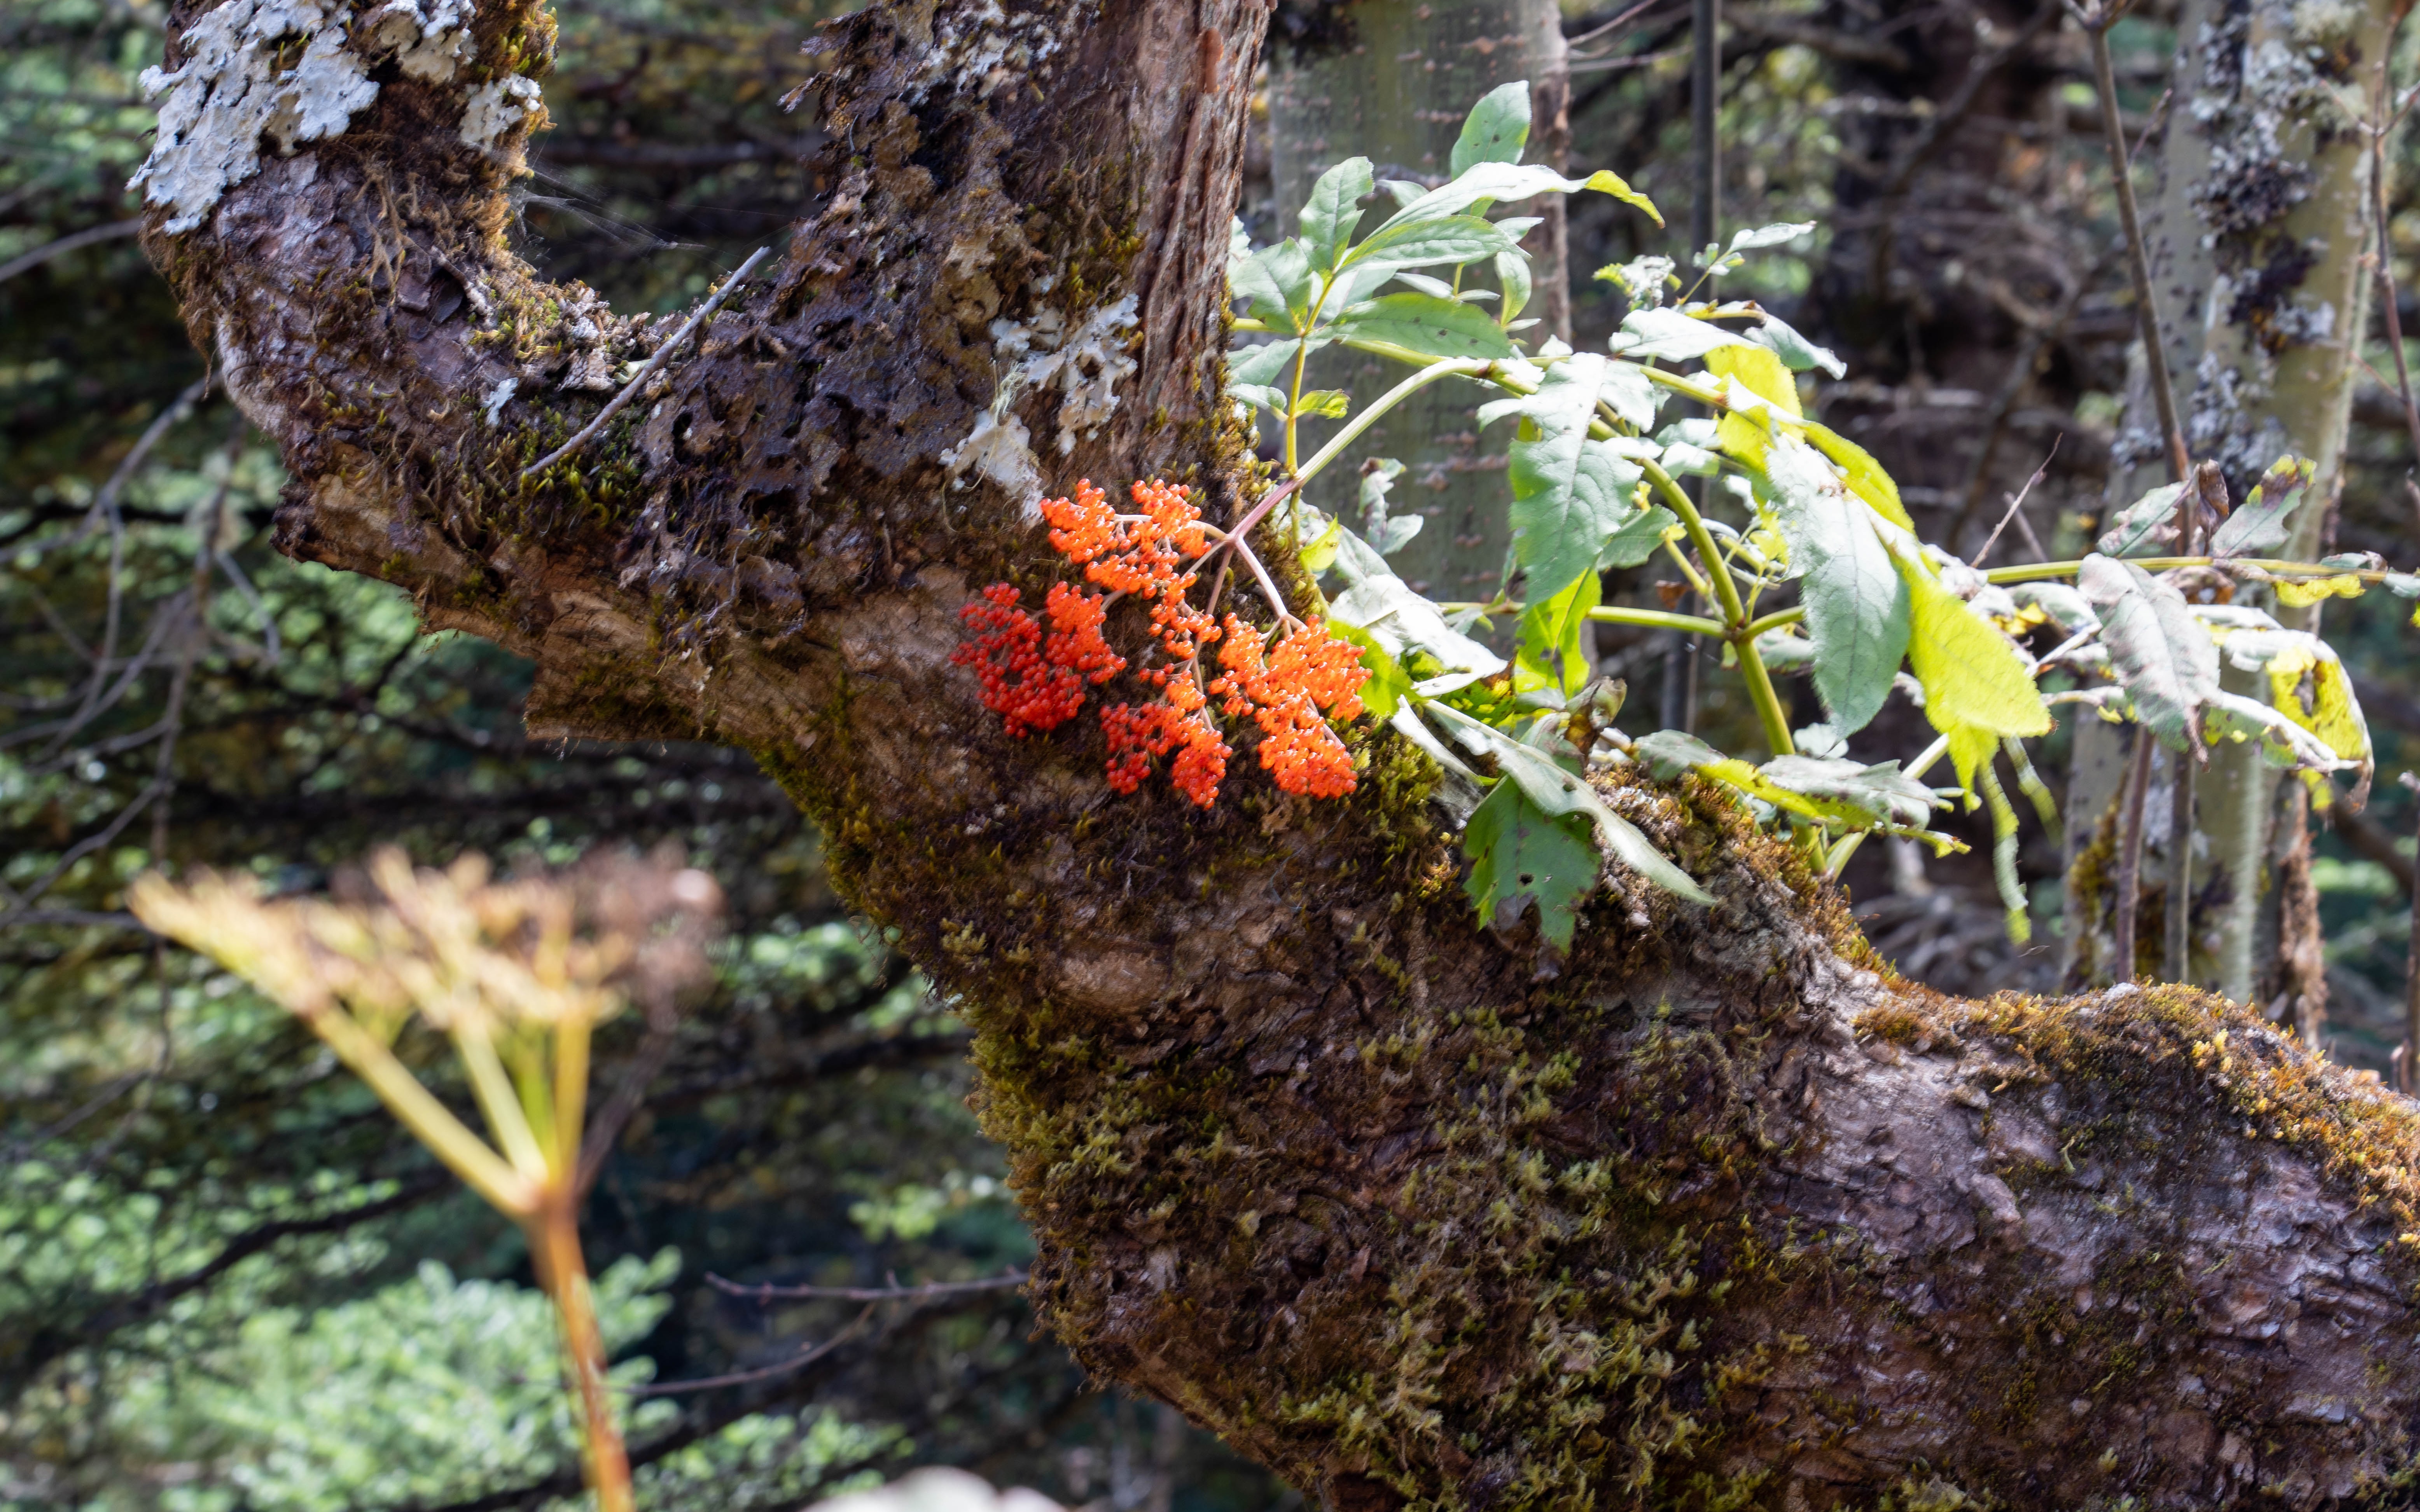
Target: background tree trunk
{"x": 1391, "y": 79}
{"x": 2257, "y": 237}
{"x": 1714, "y": 1211}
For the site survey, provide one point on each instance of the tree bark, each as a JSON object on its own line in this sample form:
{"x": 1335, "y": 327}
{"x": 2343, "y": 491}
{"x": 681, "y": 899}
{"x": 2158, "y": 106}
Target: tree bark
{"x": 1715, "y": 1212}
{"x": 2257, "y": 239}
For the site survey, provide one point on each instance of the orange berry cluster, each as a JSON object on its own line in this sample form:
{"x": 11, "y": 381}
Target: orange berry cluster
{"x": 1035, "y": 682}
{"x": 1292, "y": 693}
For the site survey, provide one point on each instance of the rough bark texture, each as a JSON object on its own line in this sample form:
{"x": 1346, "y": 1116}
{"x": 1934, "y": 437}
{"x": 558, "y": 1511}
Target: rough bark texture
{"x": 1715, "y": 1213}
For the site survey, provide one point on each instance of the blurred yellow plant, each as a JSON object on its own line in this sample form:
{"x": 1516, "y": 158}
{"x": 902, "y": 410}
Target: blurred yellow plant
{"x": 517, "y": 973}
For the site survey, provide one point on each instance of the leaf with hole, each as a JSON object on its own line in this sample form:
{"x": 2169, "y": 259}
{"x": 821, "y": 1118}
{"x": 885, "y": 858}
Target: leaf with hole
{"x": 1496, "y": 129}
{"x": 1523, "y": 858}
{"x": 1428, "y": 325}
{"x": 1333, "y": 210}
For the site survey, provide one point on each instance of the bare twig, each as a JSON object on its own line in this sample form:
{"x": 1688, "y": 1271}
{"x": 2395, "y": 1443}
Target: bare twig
{"x": 804, "y": 1358}
{"x": 2016, "y": 506}
{"x": 662, "y": 354}
{"x": 889, "y": 1293}
{"x": 2378, "y": 129}
{"x": 2096, "y": 23}
{"x": 27, "y": 262}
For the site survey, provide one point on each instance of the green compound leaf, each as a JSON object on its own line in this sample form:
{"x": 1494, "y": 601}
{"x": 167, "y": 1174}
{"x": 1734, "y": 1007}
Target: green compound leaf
{"x": 1856, "y": 601}
{"x": 1428, "y": 325}
{"x": 1334, "y": 210}
{"x": 2260, "y": 524}
{"x": 1496, "y": 129}
{"x": 1524, "y": 858}
{"x": 1570, "y": 495}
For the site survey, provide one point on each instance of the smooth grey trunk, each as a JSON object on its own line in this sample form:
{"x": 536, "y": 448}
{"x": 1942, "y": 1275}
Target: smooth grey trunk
{"x": 1391, "y": 80}
{"x": 2257, "y": 236}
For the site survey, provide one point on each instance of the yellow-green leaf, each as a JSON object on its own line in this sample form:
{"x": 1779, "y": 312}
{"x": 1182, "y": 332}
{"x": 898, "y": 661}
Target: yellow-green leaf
{"x": 1977, "y": 689}
{"x": 1864, "y": 475}
{"x": 1606, "y": 181}
{"x": 1760, "y": 372}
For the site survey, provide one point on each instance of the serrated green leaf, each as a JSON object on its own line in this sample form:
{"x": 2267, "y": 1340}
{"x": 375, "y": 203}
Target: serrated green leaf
{"x": 1569, "y": 495}
{"x": 1483, "y": 183}
{"x": 2149, "y": 520}
{"x": 1547, "y": 784}
{"x": 1631, "y": 394}
{"x": 1426, "y": 324}
{"x": 1857, "y": 603}
{"x": 1878, "y": 794}
{"x": 1796, "y": 352}
{"x": 1278, "y": 282}
{"x": 2161, "y": 652}
{"x": 1404, "y": 622}
{"x": 1636, "y": 539}
{"x": 1496, "y": 129}
{"x": 1547, "y": 645}
{"x": 1265, "y": 363}
{"x": 2261, "y": 523}
{"x": 1522, "y": 858}
{"x": 1666, "y": 334}
{"x": 1334, "y": 210}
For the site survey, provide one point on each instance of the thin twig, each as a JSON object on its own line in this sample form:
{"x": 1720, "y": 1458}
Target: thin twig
{"x": 27, "y": 262}
{"x": 662, "y": 354}
{"x": 745, "y": 1377}
{"x": 891, "y": 1293}
{"x": 2016, "y": 506}
{"x": 2377, "y": 131}
{"x": 2096, "y": 23}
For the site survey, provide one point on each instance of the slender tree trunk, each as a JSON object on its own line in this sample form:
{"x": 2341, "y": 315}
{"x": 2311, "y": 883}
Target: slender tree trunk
{"x": 1391, "y": 79}
{"x": 2258, "y": 237}
{"x": 1714, "y": 1211}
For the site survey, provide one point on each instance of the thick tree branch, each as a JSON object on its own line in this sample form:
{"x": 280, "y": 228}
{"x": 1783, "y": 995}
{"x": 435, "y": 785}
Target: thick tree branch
{"x": 1714, "y": 1211}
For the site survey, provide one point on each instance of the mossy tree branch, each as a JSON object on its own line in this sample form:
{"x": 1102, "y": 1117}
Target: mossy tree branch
{"x": 1712, "y": 1212}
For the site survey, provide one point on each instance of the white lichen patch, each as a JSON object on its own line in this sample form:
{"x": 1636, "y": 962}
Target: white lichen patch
{"x": 291, "y": 73}
{"x": 495, "y": 109}
{"x": 979, "y": 50}
{"x": 430, "y": 40}
{"x": 244, "y": 79}
{"x": 498, "y": 397}
{"x": 1085, "y": 367}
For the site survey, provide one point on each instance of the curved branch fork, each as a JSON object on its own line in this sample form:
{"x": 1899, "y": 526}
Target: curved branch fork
{"x": 1708, "y": 1212}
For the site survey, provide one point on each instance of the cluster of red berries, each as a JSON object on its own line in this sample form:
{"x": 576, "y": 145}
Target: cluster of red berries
{"x": 1035, "y": 680}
